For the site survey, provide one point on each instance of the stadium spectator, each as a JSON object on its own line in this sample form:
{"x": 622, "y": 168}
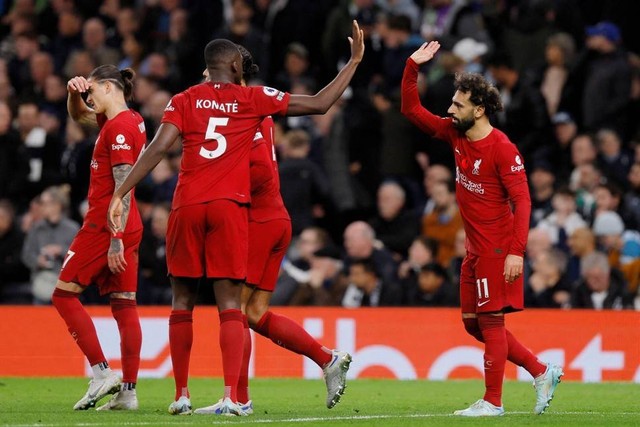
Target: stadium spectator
{"x": 360, "y": 244}
{"x": 304, "y": 184}
{"x": 542, "y": 189}
{"x": 434, "y": 288}
{"x": 444, "y": 221}
{"x": 547, "y": 286}
{"x": 75, "y": 165}
{"x": 491, "y": 278}
{"x": 14, "y": 275}
{"x": 42, "y": 149}
{"x": 563, "y": 220}
{"x": 14, "y": 161}
{"x": 47, "y": 242}
{"x": 600, "y": 287}
{"x": 621, "y": 245}
{"x": 120, "y": 141}
{"x": 565, "y": 130}
{"x": 94, "y": 37}
{"x": 67, "y": 39}
{"x": 395, "y": 225}
{"x": 154, "y": 287}
{"x": 216, "y": 205}
{"x": 367, "y": 289}
{"x": 582, "y": 242}
{"x": 326, "y": 283}
{"x": 631, "y": 198}
{"x": 613, "y": 158}
{"x": 559, "y": 55}
{"x": 602, "y": 77}
{"x": 525, "y": 118}
{"x": 296, "y": 266}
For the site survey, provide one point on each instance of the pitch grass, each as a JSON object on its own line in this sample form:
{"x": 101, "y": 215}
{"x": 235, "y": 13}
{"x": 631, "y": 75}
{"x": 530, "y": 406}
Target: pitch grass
{"x": 47, "y": 402}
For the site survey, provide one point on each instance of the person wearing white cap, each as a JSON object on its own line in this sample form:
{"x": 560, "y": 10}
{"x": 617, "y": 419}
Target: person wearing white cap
{"x": 622, "y": 246}
{"x": 471, "y": 51}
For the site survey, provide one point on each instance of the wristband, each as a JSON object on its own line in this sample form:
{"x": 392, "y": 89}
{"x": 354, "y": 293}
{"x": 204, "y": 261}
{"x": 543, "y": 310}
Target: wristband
{"x": 118, "y": 235}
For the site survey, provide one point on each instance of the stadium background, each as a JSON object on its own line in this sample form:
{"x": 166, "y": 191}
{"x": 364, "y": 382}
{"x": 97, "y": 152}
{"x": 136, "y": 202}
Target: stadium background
{"x": 334, "y": 164}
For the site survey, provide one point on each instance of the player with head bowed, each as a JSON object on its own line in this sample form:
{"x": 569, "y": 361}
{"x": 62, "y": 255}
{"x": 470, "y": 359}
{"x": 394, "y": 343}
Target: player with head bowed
{"x": 490, "y": 178}
{"x": 209, "y": 224}
{"x": 98, "y": 256}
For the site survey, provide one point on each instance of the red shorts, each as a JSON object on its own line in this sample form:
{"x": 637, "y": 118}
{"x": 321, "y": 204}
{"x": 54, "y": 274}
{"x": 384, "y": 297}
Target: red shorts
{"x": 208, "y": 240}
{"x": 268, "y": 244}
{"x": 483, "y": 288}
{"x": 86, "y": 262}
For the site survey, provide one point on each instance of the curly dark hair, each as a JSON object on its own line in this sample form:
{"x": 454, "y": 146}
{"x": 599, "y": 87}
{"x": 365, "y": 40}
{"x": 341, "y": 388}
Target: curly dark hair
{"x": 249, "y": 68}
{"x": 482, "y": 92}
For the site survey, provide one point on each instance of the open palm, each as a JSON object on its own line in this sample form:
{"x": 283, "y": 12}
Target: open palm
{"x": 425, "y": 52}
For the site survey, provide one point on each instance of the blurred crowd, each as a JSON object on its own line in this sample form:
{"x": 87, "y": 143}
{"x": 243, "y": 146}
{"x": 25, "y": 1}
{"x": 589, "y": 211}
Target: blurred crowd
{"x": 372, "y": 199}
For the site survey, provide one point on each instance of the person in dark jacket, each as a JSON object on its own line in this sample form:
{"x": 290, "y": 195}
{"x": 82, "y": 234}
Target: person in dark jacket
{"x": 601, "y": 287}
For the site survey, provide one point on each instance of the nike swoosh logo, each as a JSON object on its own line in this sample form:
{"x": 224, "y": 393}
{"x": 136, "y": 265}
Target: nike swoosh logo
{"x": 480, "y": 304}
{"x": 457, "y": 151}
{"x": 335, "y": 359}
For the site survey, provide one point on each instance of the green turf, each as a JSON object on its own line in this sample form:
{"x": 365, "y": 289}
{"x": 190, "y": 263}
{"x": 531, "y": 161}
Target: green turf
{"x": 48, "y": 402}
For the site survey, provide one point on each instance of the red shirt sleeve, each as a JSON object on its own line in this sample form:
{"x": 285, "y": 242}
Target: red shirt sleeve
{"x": 173, "y": 112}
{"x": 514, "y": 178}
{"x": 268, "y": 101}
{"x": 418, "y": 115}
{"x": 121, "y": 145}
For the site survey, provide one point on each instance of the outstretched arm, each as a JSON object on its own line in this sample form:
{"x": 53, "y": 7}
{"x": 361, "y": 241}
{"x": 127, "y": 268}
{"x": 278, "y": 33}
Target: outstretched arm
{"x": 410, "y": 104}
{"x": 162, "y": 142}
{"x": 300, "y": 105}
{"x": 78, "y": 109}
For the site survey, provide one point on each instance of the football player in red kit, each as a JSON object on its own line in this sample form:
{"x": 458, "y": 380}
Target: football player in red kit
{"x": 97, "y": 256}
{"x": 490, "y": 177}
{"x": 269, "y": 238}
{"x": 208, "y": 226}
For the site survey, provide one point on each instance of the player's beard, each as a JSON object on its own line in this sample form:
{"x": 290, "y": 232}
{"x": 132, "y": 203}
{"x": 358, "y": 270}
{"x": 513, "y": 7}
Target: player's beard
{"x": 463, "y": 125}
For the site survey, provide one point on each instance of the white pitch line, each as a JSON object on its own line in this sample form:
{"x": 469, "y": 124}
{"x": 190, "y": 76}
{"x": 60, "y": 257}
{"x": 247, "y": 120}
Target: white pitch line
{"x": 309, "y": 419}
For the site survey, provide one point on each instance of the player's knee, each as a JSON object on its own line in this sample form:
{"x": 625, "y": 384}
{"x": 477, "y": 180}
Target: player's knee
{"x": 472, "y": 327}
{"x": 254, "y": 313}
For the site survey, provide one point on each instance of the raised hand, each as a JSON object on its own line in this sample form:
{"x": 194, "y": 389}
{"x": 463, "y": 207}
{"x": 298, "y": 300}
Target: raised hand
{"x": 425, "y": 52}
{"x": 357, "y": 42}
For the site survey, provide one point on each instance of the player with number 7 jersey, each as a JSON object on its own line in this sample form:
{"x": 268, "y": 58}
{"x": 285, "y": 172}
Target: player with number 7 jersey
{"x": 208, "y": 224}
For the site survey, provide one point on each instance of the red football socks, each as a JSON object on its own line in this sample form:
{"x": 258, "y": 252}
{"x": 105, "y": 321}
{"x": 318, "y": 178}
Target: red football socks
{"x": 495, "y": 356}
{"x": 232, "y": 348}
{"x": 79, "y": 323}
{"x": 180, "y": 341}
{"x": 521, "y": 356}
{"x": 288, "y": 334}
{"x": 517, "y": 353}
{"x": 126, "y": 314}
{"x": 243, "y": 380}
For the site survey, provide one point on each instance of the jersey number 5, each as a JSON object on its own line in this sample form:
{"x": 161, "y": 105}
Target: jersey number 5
{"x": 212, "y": 134}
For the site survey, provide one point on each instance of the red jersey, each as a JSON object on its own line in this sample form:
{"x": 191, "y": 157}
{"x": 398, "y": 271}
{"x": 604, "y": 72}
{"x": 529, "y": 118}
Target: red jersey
{"x": 119, "y": 142}
{"x": 266, "y": 201}
{"x": 218, "y": 122}
{"x": 489, "y": 175}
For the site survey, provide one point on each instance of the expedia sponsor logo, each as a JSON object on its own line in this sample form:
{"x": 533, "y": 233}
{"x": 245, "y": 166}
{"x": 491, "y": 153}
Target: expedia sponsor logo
{"x": 118, "y": 147}
{"x": 519, "y": 167}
